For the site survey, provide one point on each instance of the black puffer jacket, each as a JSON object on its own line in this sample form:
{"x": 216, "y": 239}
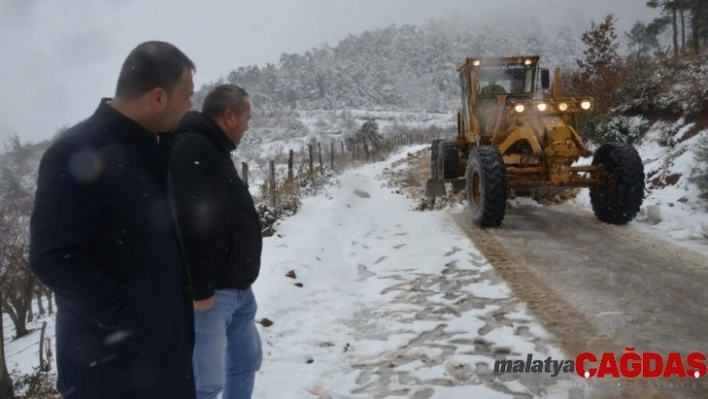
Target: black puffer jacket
{"x": 217, "y": 216}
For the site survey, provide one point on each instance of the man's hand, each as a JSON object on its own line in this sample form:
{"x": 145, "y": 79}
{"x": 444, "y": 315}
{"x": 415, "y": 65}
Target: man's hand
{"x": 204, "y": 304}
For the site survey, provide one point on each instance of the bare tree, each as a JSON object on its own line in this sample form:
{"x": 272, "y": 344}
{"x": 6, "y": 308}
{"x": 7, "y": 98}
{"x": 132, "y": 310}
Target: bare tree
{"x": 6, "y": 391}
{"x": 40, "y": 305}
{"x": 16, "y": 279}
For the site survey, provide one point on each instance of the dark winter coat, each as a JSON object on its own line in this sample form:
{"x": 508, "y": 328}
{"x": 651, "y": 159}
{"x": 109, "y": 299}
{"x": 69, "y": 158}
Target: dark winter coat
{"x": 219, "y": 223}
{"x": 104, "y": 239}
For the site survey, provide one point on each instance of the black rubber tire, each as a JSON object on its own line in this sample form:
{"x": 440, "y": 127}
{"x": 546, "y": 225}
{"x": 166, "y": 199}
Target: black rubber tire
{"x": 486, "y": 187}
{"x": 449, "y": 160}
{"x": 619, "y": 199}
{"x": 434, "y": 158}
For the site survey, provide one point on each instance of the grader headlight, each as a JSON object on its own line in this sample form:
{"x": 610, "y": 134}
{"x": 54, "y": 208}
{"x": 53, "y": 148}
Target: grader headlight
{"x": 562, "y": 107}
{"x": 585, "y": 105}
{"x": 542, "y": 107}
{"x": 519, "y": 108}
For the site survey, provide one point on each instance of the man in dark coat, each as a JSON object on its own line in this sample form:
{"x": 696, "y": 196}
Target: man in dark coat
{"x": 104, "y": 238}
{"x": 223, "y": 242}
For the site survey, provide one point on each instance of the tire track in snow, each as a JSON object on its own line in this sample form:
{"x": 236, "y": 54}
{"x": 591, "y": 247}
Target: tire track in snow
{"x": 454, "y": 332}
{"x": 575, "y": 329}
{"x": 394, "y": 372}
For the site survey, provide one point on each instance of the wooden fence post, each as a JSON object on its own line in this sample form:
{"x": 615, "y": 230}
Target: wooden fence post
{"x": 41, "y": 347}
{"x": 291, "y": 156}
{"x": 244, "y": 173}
{"x": 272, "y": 184}
{"x": 311, "y": 167}
{"x": 319, "y": 151}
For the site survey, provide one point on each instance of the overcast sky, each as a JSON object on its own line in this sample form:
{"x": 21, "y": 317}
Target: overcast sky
{"x": 59, "y": 57}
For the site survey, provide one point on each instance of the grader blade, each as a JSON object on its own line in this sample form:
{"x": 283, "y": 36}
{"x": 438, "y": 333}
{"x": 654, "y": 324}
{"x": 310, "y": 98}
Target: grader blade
{"x": 435, "y": 188}
{"x": 438, "y": 187}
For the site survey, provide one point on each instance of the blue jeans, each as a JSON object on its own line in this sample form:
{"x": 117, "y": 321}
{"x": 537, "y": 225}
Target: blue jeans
{"x": 227, "y": 351}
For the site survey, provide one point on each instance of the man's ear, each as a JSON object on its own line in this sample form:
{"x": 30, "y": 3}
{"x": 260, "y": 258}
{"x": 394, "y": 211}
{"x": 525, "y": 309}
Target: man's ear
{"x": 229, "y": 117}
{"x": 158, "y": 98}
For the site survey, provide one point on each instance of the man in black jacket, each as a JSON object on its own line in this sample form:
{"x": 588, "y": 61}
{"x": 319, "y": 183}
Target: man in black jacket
{"x": 103, "y": 237}
{"x": 222, "y": 240}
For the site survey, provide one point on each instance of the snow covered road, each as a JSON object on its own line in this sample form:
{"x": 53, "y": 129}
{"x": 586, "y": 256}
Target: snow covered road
{"x": 392, "y": 302}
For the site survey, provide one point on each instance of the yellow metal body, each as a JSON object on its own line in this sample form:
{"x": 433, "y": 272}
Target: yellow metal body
{"x": 537, "y": 134}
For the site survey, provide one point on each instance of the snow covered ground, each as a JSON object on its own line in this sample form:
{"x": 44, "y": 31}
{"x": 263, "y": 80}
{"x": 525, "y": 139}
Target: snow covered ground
{"x": 383, "y": 300}
{"x": 369, "y": 298}
{"x": 22, "y": 355}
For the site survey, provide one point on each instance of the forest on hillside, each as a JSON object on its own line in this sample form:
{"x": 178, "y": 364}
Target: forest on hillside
{"x": 413, "y": 68}
{"x": 399, "y": 67}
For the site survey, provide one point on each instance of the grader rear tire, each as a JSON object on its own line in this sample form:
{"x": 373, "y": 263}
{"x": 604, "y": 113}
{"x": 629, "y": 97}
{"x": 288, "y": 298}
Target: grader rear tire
{"x": 619, "y": 198}
{"x": 486, "y": 186}
{"x": 434, "y": 158}
{"x": 449, "y": 160}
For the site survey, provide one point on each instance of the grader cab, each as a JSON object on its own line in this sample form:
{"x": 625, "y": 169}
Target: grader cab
{"x": 515, "y": 134}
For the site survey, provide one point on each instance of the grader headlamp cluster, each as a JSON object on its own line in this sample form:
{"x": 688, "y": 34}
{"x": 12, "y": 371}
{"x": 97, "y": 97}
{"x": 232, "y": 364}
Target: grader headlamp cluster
{"x": 525, "y": 61}
{"x": 563, "y": 105}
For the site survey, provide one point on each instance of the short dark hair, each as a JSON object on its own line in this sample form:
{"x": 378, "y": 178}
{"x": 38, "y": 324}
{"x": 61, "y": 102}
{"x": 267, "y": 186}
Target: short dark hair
{"x": 152, "y": 64}
{"x": 223, "y": 97}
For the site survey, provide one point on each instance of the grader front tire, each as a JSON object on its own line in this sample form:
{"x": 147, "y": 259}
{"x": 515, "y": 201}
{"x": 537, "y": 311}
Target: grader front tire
{"x": 486, "y": 186}
{"x": 619, "y": 198}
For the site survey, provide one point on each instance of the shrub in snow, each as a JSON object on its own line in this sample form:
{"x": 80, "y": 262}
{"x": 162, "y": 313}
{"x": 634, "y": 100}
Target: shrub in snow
{"x": 668, "y": 134}
{"x": 39, "y": 384}
{"x": 700, "y": 178}
{"x": 605, "y": 129}
{"x": 676, "y": 89}
{"x": 287, "y": 202}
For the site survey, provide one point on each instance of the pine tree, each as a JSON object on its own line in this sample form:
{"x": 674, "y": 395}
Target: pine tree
{"x": 677, "y": 10}
{"x": 701, "y": 178}
{"x": 601, "y": 69}
{"x": 601, "y": 54}
{"x": 699, "y": 23}
{"x": 671, "y": 8}
{"x": 643, "y": 38}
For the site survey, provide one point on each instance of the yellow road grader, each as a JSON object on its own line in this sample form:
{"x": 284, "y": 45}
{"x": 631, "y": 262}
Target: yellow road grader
{"x": 512, "y": 135}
